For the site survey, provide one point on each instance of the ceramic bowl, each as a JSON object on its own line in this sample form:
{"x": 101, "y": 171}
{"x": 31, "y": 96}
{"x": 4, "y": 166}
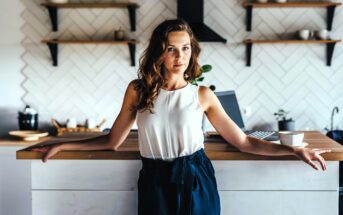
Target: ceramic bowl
{"x": 293, "y": 138}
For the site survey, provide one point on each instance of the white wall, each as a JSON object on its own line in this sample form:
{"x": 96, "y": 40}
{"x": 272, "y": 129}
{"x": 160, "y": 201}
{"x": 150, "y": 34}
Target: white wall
{"x": 10, "y": 64}
{"x": 91, "y": 79}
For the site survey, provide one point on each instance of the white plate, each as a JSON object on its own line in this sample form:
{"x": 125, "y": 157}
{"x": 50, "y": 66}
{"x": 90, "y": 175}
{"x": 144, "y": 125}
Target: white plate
{"x": 300, "y": 146}
{"x": 29, "y": 135}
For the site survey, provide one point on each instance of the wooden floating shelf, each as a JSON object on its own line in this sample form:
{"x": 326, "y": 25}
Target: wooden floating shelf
{"x": 114, "y": 42}
{"x": 91, "y": 5}
{"x": 53, "y": 46}
{"x": 331, "y": 6}
{"x": 292, "y": 41}
{"x": 330, "y": 45}
{"x": 53, "y": 10}
{"x": 291, "y": 4}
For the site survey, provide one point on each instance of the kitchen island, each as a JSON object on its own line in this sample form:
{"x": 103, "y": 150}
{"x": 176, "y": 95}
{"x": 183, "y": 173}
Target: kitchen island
{"x": 105, "y": 182}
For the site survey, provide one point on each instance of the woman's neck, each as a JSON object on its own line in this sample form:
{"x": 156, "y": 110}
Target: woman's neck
{"x": 174, "y": 83}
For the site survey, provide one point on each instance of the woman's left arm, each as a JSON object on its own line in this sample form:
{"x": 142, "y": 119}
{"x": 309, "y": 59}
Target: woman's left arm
{"x": 235, "y": 136}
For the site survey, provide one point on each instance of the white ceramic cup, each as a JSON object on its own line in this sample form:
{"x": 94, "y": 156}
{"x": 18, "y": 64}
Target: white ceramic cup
{"x": 71, "y": 123}
{"x": 304, "y": 34}
{"x": 90, "y": 123}
{"x": 280, "y": 1}
{"x": 322, "y": 34}
{"x": 293, "y": 138}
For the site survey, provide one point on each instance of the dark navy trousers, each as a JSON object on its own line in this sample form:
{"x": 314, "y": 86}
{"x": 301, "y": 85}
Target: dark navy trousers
{"x": 184, "y": 186}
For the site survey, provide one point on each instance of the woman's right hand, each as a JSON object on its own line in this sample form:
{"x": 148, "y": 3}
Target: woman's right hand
{"x": 48, "y": 151}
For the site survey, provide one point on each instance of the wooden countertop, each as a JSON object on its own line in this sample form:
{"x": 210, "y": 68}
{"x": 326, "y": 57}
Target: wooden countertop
{"x": 16, "y": 142}
{"x": 215, "y": 148}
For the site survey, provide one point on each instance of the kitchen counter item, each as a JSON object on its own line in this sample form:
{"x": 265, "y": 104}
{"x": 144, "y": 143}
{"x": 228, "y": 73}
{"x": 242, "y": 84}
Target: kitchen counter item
{"x": 28, "y": 119}
{"x": 79, "y": 128}
{"x": 29, "y": 135}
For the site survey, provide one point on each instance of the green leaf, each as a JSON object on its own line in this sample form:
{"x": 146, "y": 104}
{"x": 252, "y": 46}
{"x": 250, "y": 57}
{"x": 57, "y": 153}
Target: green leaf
{"x": 200, "y": 79}
{"x": 206, "y": 68}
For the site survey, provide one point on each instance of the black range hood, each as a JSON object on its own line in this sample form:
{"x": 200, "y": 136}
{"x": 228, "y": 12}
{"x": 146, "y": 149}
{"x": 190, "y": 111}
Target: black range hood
{"x": 192, "y": 11}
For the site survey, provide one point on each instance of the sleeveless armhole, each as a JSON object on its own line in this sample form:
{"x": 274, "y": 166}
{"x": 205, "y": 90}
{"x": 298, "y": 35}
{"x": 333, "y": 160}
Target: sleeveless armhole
{"x": 197, "y": 98}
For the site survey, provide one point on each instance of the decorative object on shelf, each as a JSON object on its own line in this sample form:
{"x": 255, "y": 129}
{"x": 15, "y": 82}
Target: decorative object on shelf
{"x": 119, "y": 34}
{"x": 58, "y": 1}
{"x": 61, "y": 129}
{"x": 305, "y": 34}
{"x": 284, "y": 123}
{"x": 205, "y": 68}
{"x": 28, "y": 119}
{"x": 322, "y": 34}
{"x": 28, "y": 135}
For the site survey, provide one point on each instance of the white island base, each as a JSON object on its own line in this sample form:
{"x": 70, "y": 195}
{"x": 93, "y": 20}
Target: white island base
{"x": 109, "y": 187}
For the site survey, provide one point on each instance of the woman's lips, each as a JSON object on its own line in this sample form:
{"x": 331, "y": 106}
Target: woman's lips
{"x": 178, "y": 65}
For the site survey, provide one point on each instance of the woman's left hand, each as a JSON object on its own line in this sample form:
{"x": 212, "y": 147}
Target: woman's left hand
{"x": 310, "y": 155}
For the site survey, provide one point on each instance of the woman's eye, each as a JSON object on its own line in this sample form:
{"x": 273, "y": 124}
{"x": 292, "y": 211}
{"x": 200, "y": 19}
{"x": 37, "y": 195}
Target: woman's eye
{"x": 186, "y": 48}
{"x": 171, "y": 49}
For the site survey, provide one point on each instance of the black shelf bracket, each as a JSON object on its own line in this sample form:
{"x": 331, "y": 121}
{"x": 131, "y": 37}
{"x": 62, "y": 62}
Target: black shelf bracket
{"x": 330, "y": 14}
{"x": 132, "y": 15}
{"x": 53, "y": 47}
{"x": 248, "y": 53}
{"x": 249, "y": 17}
{"x": 329, "y": 52}
{"x": 132, "y": 49}
{"x": 53, "y": 17}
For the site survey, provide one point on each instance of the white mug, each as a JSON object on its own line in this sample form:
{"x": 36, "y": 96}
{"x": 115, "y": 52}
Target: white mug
{"x": 322, "y": 34}
{"x": 71, "y": 123}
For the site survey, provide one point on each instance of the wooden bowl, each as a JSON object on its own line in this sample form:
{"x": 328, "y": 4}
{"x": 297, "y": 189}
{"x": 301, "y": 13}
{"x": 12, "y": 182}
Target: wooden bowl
{"x": 29, "y": 135}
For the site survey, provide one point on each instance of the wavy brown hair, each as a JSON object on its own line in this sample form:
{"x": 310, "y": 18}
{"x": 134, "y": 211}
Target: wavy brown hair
{"x": 150, "y": 72}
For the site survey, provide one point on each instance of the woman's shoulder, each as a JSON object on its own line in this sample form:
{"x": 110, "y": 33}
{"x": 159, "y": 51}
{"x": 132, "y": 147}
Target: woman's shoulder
{"x": 206, "y": 97}
{"x": 132, "y": 88}
{"x": 205, "y": 92}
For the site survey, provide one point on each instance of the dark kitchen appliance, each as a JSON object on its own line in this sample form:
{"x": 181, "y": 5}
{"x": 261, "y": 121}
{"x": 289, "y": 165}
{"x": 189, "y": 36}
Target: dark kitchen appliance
{"x": 28, "y": 119}
{"x": 192, "y": 11}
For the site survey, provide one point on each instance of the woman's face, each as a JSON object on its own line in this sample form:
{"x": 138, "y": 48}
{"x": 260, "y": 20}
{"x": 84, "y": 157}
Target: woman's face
{"x": 178, "y": 52}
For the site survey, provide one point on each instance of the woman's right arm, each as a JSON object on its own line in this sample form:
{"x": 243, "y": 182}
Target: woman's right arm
{"x": 119, "y": 131}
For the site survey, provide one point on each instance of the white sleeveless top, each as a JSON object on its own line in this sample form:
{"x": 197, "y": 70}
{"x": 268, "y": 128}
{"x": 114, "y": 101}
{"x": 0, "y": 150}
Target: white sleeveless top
{"x": 174, "y": 129}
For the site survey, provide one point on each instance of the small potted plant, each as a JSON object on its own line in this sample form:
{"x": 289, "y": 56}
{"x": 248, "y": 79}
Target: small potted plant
{"x": 284, "y": 123}
{"x": 204, "y": 69}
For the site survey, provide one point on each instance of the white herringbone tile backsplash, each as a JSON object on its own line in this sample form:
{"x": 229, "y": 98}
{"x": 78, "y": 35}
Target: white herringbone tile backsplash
{"x": 90, "y": 80}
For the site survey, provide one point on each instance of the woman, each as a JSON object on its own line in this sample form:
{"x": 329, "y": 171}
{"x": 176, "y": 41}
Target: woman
{"x": 177, "y": 177}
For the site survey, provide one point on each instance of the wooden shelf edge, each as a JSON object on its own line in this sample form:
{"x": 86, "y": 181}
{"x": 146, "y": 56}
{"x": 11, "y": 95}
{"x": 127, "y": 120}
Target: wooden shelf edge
{"x": 291, "y": 4}
{"x": 290, "y": 41}
{"x": 58, "y": 41}
{"x": 90, "y": 5}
